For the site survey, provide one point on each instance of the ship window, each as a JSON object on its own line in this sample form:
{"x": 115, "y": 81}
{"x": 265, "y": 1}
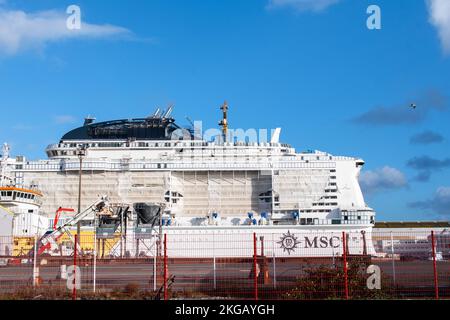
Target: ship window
{"x": 345, "y": 218}
{"x": 9, "y": 194}
{"x": 302, "y": 221}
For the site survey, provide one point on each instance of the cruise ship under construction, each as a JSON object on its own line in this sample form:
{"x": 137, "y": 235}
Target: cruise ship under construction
{"x": 160, "y": 177}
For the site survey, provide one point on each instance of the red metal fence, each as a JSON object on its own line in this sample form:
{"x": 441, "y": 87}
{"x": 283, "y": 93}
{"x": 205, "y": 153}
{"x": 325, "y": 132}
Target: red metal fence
{"x": 252, "y": 265}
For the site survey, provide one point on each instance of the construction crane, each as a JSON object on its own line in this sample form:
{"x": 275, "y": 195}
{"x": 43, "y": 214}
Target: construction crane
{"x": 49, "y": 240}
{"x": 58, "y": 214}
{"x": 48, "y": 246}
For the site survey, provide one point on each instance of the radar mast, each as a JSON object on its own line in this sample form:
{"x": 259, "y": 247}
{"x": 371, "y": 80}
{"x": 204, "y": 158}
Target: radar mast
{"x": 224, "y": 122}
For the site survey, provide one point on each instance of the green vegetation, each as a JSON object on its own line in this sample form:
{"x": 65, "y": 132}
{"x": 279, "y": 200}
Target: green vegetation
{"x": 412, "y": 224}
{"x": 325, "y": 282}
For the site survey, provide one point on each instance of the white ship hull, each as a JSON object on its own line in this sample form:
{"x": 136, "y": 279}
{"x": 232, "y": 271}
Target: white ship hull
{"x": 238, "y": 242}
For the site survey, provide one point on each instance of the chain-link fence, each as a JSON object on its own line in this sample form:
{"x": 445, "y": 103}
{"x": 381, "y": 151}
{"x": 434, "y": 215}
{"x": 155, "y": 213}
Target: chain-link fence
{"x": 216, "y": 264}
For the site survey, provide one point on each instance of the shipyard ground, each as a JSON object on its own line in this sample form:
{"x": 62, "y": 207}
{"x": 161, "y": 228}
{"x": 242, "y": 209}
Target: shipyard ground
{"x": 136, "y": 279}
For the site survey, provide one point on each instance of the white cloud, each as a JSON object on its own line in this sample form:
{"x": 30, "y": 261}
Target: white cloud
{"x": 439, "y": 203}
{"x": 63, "y": 119}
{"x": 21, "y": 31}
{"x": 439, "y": 11}
{"x": 382, "y": 179}
{"x": 302, "y": 5}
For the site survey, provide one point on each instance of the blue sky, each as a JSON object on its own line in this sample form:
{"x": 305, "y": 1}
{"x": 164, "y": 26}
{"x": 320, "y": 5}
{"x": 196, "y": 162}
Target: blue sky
{"x": 310, "y": 67}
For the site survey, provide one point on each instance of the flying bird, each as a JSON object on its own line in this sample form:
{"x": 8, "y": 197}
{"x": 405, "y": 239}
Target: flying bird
{"x": 413, "y": 106}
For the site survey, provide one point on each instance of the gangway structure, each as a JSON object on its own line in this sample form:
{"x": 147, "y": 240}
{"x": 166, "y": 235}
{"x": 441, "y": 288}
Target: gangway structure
{"x": 48, "y": 241}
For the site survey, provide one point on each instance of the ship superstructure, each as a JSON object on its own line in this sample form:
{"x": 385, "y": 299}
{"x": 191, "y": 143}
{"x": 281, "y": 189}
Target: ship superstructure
{"x": 217, "y": 183}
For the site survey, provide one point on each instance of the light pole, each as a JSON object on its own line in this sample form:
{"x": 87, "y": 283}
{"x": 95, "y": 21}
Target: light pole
{"x": 81, "y": 153}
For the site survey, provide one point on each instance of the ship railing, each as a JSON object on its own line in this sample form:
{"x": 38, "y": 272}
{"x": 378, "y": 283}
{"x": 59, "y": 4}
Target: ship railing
{"x": 68, "y": 165}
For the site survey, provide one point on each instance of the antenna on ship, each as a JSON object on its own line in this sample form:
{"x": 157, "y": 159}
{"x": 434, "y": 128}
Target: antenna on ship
{"x": 5, "y": 151}
{"x": 224, "y": 122}
{"x": 4, "y": 158}
{"x": 168, "y": 112}
{"x": 157, "y": 113}
{"x": 88, "y": 120}
{"x": 190, "y": 121}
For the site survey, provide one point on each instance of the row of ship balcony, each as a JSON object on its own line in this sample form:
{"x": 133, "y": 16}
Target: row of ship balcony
{"x": 65, "y": 165}
{"x": 162, "y": 144}
{"x": 69, "y": 150}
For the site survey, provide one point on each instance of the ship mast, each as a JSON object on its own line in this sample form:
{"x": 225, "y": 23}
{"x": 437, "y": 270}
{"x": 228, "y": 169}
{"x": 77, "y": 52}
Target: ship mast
{"x": 3, "y": 160}
{"x": 224, "y": 122}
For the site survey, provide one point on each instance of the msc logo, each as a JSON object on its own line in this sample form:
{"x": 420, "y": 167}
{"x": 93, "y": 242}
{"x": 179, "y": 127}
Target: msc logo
{"x": 289, "y": 242}
{"x": 322, "y": 242}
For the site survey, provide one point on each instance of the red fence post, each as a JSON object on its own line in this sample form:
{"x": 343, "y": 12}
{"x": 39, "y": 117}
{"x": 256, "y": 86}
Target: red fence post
{"x": 344, "y": 255}
{"x": 165, "y": 267}
{"x": 255, "y": 265}
{"x": 436, "y": 285}
{"x": 74, "y": 290}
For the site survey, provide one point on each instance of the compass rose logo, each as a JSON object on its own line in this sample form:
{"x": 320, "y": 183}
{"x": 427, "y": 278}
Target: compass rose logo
{"x": 288, "y": 242}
